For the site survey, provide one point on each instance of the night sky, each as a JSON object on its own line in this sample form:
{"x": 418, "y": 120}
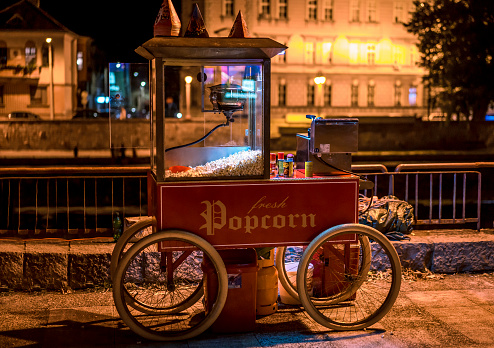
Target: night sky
{"x": 118, "y": 27}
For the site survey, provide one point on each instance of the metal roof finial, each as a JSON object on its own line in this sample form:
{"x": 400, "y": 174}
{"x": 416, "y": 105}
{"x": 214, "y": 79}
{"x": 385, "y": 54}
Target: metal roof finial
{"x": 239, "y": 28}
{"x": 167, "y": 22}
{"x": 196, "y": 27}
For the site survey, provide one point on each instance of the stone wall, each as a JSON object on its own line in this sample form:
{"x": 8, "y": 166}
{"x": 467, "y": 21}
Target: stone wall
{"x": 95, "y": 134}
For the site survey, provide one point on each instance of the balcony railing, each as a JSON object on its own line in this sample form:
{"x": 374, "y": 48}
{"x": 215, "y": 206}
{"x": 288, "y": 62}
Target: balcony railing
{"x": 19, "y": 71}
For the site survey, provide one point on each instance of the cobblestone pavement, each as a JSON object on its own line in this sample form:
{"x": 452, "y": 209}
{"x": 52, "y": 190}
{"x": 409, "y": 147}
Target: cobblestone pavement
{"x": 432, "y": 310}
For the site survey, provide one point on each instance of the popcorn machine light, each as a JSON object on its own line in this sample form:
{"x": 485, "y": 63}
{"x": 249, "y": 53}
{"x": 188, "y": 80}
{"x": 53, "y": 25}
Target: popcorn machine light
{"x": 232, "y": 76}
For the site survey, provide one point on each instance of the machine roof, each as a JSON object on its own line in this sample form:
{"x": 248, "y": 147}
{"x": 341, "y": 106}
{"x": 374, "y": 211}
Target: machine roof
{"x": 210, "y": 48}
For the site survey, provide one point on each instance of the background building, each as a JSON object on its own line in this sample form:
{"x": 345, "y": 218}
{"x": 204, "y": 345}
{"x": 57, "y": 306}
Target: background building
{"x": 360, "y": 47}
{"x": 30, "y": 80}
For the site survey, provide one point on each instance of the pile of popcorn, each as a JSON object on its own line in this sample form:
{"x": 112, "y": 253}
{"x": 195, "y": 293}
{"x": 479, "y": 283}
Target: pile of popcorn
{"x": 242, "y": 163}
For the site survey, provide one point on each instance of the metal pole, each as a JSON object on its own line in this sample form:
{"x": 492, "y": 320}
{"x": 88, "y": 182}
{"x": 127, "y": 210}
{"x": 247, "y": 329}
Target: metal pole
{"x": 52, "y": 90}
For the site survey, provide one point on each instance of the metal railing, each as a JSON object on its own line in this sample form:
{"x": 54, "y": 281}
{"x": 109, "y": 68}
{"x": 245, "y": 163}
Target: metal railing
{"x": 439, "y": 197}
{"x": 80, "y": 202}
{"x": 71, "y": 202}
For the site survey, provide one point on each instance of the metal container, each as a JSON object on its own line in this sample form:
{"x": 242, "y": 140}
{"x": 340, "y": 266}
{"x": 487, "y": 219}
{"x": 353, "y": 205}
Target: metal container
{"x": 338, "y": 135}
{"x": 226, "y": 97}
{"x": 329, "y": 145}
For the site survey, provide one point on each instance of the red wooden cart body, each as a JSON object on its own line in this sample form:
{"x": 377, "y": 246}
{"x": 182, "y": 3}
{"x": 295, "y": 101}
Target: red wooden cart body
{"x": 255, "y": 213}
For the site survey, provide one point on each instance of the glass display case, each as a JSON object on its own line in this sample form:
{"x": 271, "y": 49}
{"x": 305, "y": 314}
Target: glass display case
{"x": 209, "y": 107}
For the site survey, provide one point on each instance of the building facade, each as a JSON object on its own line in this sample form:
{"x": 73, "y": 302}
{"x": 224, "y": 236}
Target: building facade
{"x": 43, "y": 65}
{"x": 345, "y": 58}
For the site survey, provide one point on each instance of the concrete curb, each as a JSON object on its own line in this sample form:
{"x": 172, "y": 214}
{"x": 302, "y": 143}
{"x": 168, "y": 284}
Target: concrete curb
{"x": 61, "y": 264}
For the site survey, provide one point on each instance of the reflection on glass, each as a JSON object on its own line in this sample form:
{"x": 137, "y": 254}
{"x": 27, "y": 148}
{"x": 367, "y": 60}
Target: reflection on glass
{"x": 129, "y": 92}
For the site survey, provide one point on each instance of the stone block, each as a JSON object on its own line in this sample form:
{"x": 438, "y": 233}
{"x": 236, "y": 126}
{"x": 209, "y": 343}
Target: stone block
{"x": 47, "y": 270}
{"x": 135, "y": 271}
{"x": 11, "y": 266}
{"x": 415, "y": 256}
{"x": 458, "y": 257}
{"x": 89, "y": 268}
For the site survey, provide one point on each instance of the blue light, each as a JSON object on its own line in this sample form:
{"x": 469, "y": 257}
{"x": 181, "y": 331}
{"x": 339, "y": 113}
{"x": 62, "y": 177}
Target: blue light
{"x": 248, "y": 85}
{"x": 179, "y": 115}
{"x": 101, "y": 99}
{"x": 489, "y": 117}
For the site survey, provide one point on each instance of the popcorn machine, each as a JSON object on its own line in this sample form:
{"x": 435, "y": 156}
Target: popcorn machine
{"x": 225, "y": 85}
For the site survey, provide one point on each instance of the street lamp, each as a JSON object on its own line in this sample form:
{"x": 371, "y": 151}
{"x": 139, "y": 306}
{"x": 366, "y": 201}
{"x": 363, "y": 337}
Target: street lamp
{"x": 319, "y": 80}
{"x": 188, "y": 80}
{"x": 50, "y": 66}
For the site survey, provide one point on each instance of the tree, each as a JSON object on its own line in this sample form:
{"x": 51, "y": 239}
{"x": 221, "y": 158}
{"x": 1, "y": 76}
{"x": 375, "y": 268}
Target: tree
{"x": 457, "y": 49}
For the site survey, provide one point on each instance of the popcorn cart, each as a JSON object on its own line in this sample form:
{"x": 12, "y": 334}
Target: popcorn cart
{"x": 219, "y": 191}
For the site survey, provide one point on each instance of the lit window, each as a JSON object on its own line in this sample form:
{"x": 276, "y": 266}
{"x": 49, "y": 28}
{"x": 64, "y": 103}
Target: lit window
{"x": 398, "y": 55}
{"x": 265, "y": 9}
{"x": 398, "y": 93}
{"x": 327, "y": 94}
{"x": 413, "y": 55}
{"x": 3, "y": 53}
{"x": 328, "y": 10}
{"x": 412, "y": 96}
{"x": 354, "y": 96}
{"x": 371, "y": 11}
{"x": 312, "y": 9}
{"x": 30, "y": 53}
{"x": 80, "y": 61}
{"x": 310, "y": 95}
{"x": 355, "y": 11}
{"x": 38, "y": 95}
{"x": 371, "y": 93}
{"x": 398, "y": 11}
{"x": 309, "y": 53}
{"x": 326, "y": 53}
{"x": 282, "y": 93}
{"x": 371, "y": 54}
{"x": 282, "y": 9}
{"x": 44, "y": 54}
{"x": 280, "y": 57}
{"x": 228, "y": 7}
{"x": 354, "y": 53}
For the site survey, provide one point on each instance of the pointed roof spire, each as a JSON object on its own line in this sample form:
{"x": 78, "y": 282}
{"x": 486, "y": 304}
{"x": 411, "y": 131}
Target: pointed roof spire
{"x": 196, "y": 27}
{"x": 167, "y": 22}
{"x": 239, "y": 28}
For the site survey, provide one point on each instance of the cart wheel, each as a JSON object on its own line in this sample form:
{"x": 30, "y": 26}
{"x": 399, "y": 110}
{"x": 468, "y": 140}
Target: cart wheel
{"x": 143, "y": 274}
{"x": 359, "y": 298}
{"x": 289, "y": 282}
{"x": 126, "y": 240}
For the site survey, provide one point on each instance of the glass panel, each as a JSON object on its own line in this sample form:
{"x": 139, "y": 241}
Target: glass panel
{"x": 128, "y": 101}
{"x": 214, "y": 123}
{"x": 129, "y": 91}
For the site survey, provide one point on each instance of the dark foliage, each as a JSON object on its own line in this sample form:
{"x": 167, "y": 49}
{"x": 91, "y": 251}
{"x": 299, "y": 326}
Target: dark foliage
{"x": 457, "y": 49}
